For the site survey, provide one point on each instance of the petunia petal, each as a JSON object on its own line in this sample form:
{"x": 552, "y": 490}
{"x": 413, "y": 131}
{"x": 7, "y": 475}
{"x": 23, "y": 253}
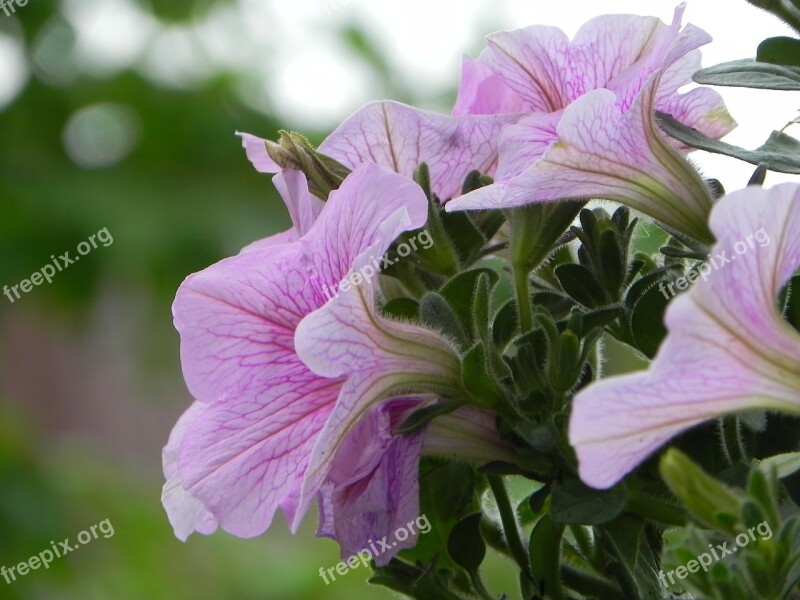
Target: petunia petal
{"x": 256, "y": 152}
{"x": 381, "y": 359}
{"x": 525, "y": 142}
{"x": 701, "y": 108}
{"x": 371, "y": 208}
{"x": 401, "y": 137}
{"x": 610, "y": 45}
{"x": 728, "y": 348}
{"x": 185, "y": 512}
{"x": 243, "y": 459}
{"x": 372, "y": 488}
{"x": 534, "y": 62}
{"x": 303, "y": 209}
{"x": 484, "y": 92}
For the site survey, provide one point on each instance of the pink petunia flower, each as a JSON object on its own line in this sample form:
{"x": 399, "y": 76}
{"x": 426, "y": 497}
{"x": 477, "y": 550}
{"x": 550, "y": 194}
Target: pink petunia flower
{"x": 590, "y": 130}
{"x": 728, "y": 347}
{"x": 268, "y": 432}
{"x": 244, "y": 452}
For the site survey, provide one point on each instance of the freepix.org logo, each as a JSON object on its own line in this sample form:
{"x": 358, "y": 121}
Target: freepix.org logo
{"x": 48, "y": 555}
{"x": 9, "y": 7}
{"x": 377, "y": 264}
{"x": 64, "y": 261}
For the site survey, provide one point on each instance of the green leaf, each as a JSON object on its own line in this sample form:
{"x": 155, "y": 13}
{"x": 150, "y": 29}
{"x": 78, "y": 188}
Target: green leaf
{"x": 612, "y": 258}
{"x": 595, "y": 319}
{"x": 480, "y": 309}
{"x": 580, "y": 283}
{"x": 751, "y": 74}
{"x": 556, "y": 303}
{"x": 780, "y": 51}
{"x": 761, "y": 486}
{"x": 538, "y": 498}
{"x": 636, "y": 556}
{"x": 477, "y": 379}
{"x": 647, "y": 321}
{"x": 465, "y": 544}
{"x": 573, "y": 503}
{"x": 447, "y": 492}
{"x": 460, "y": 291}
{"x": 781, "y": 152}
{"x": 488, "y": 222}
{"x": 541, "y": 438}
{"x": 504, "y": 325}
{"x": 784, "y": 464}
{"x": 643, "y": 284}
{"x": 464, "y": 235}
{"x": 544, "y": 549}
{"x": 437, "y": 314}
{"x": 414, "y": 581}
{"x": 787, "y": 11}
{"x": 565, "y": 372}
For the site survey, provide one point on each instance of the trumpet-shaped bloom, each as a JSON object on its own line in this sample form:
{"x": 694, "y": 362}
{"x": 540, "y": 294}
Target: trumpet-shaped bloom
{"x": 590, "y": 130}
{"x": 728, "y": 348}
{"x": 242, "y": 450}
{"x": 400, "y": 137}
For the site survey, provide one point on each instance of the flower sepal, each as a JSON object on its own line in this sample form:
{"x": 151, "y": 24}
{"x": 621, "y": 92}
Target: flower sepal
{"x": 293, "y": 151}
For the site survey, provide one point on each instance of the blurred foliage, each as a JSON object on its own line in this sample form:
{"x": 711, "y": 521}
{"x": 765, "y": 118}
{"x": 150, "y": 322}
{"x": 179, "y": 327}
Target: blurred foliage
{"x": 185, "y": 196}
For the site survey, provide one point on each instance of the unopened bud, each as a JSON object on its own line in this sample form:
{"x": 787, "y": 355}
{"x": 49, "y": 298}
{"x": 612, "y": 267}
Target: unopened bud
{"x": 294, "y": 151}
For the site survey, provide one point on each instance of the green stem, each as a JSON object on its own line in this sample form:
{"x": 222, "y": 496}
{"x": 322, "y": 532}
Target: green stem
{"x": 509, "y": 519}
{"x": 526, "y": 223}
{"x": 535, "y": 230}
{"x": 521, "y": 286}
{"x": 732, "y": 440}
{"x": 656, "y": 510}
{"x": 591, "y": 585}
